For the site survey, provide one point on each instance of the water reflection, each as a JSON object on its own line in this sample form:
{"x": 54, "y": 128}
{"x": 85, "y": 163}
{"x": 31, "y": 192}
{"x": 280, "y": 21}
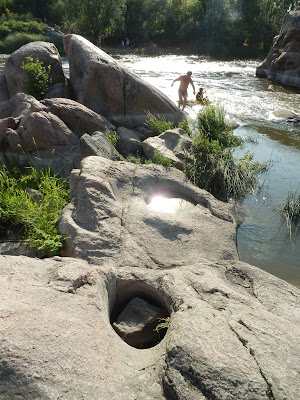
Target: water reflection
{"x": 169, "y": 204}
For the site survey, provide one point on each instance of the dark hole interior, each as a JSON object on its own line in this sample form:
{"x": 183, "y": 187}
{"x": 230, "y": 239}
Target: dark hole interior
{"x": 140, "y": 314}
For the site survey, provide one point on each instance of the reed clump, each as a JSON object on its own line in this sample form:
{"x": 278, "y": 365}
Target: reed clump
{"x": 291, "y": 211}
{"x": 214, "y": 167}
{"x": 31, "y": 202}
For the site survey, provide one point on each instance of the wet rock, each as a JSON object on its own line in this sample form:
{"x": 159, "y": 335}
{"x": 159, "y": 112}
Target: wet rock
{"x": 287, "y": 115}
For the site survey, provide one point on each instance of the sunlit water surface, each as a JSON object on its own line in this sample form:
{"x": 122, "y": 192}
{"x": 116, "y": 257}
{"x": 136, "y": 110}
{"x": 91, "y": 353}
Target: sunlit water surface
{"x": 263, "y": 238}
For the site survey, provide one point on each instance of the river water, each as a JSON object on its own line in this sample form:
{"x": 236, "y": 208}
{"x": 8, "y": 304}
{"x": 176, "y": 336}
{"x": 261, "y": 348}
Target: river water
{"x": 263, "y": 239}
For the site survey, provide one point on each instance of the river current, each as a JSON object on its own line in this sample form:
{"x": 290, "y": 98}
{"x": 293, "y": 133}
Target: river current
{"x": 263, "y": 239}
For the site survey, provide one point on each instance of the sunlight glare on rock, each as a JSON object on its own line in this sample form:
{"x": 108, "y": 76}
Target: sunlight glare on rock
{"x": 169, "y": 205}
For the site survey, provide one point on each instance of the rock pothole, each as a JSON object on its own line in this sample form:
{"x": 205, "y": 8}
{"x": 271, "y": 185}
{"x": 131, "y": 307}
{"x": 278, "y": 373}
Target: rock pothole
{"x": 139, "y": 314}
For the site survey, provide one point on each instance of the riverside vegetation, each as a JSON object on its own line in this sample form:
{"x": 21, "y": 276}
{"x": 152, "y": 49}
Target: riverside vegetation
{"x": 19, "y": 28}
{"x": 220, "y": 28}
{"x": 214, "y": 167}
{"x": 31, "y": 202}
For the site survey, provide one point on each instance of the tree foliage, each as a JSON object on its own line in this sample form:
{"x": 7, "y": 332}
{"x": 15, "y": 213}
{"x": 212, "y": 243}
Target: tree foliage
{"x": 216, "y": 27}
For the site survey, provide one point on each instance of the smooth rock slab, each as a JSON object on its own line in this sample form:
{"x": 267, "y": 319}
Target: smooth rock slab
{"x": 234, "y": 332}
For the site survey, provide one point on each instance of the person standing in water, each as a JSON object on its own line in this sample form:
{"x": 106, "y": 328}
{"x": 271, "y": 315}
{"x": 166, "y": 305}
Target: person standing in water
{"x": 185, "y": 80}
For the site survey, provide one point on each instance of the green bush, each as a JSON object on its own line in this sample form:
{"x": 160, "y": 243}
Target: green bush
{"x": 112, "y": 136}
{"x": 14, "y": 26}
{"x": 38, "y": 77}
{"x": 211, "y": 123}
{"x": 160, "y": 160}
{"x": 157, "y": 125}
{"x": 214, "y": 168}
{"x": 14, "y": 41}
{"x": 29, "y": 218}
{"x": 183, "y": 124}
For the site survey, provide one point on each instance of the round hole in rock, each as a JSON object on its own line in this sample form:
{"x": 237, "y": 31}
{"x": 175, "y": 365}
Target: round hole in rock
{"x": 166, "y": 201}
{"x": 139, "y": 314}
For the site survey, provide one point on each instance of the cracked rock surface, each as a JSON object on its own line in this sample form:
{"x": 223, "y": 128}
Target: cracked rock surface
{"x": 234, "y": 332}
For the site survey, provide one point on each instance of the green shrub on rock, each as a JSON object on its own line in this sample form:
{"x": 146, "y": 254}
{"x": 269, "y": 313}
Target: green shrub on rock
{"x": 214, "y": 168}
{"x": 38, "y": 77}
{"x": 157, "y": 125}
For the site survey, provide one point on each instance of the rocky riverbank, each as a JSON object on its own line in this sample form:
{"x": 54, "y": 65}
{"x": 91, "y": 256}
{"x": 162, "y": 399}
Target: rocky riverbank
{"x": 85, "y": 326}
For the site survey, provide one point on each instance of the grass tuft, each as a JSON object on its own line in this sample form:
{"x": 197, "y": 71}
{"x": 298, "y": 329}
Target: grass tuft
{"x": 214, "y": 168}
{"x": 157, "y": 125}
{"x": 291, "y": 211}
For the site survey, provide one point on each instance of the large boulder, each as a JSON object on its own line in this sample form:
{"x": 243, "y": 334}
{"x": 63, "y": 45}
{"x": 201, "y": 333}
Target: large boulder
{"x": 110, "y": 217}
{"x": 46, "y": 52}
{"x": 105, "y": 86}
{"x": 282, "y": 64}
{"x": 30, "y": 134}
